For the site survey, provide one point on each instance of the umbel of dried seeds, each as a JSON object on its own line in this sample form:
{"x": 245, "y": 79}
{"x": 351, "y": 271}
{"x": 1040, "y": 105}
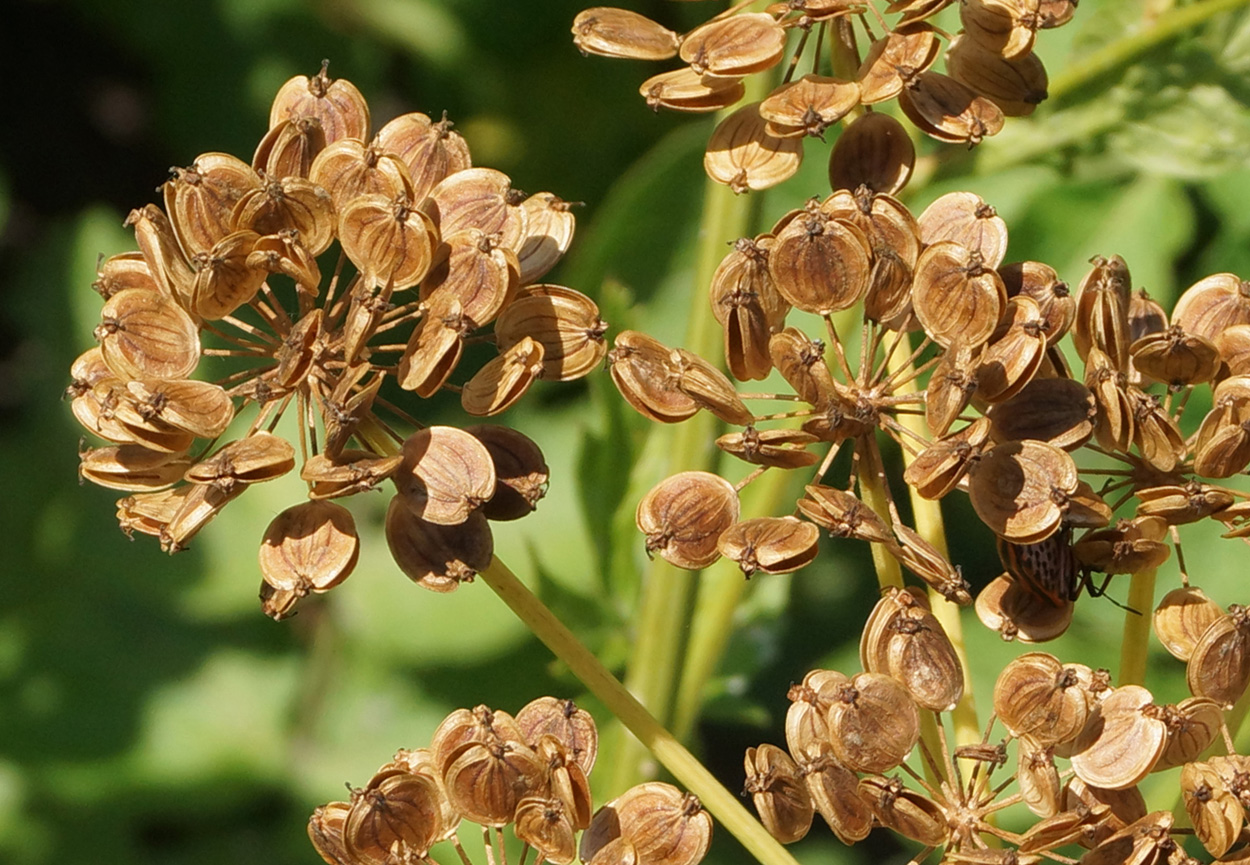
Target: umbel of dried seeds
{"x": 327, "y": 281}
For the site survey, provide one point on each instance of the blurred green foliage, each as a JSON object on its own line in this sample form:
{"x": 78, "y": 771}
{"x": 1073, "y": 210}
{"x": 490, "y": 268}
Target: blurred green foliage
{"x": 149, "y": 713}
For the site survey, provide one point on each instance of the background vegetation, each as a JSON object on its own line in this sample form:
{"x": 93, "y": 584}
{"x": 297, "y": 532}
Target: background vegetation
{"x": 149, "y": 713}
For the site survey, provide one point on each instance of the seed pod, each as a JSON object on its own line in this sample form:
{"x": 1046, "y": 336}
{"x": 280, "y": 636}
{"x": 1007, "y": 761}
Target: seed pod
{"x": 742, "y": 155}
{"x": 1176, "y": 358}
{"x": 143, "y": 334}
{"x": 835, "y": 795}
{"x": 1131, "y": 547}
{"x": 196, "y": 407}
{"x": 1038, "y": 779}
{"x": 1039, "y": 698}
{"x": 131, "y": 468}
{"x": 260, "y": 456}
{"x": 611, "y": 32}
{"x": 885, "y": 221}
{"x": 801, "y": 363}
{"x": 843, "y": 515}
{"x": 480, "y": 274}
{"x": 520, "y": 471}
{"x": 645, "y": 373}
{"x": 944, "y": 109}
{"x": 1122, "y": 751}
{"x": 431, "y": 151}
{"x": 873, "y": 723}
{"x": 1040, "y": 282}
{"x": 1014, "y": 353}
{"x": 390, "y": 242}
{"x": 481, "y": 198}
{"x": 940, "y": 467}
{"x": 894, "y": 58}
{"x": 1066, "y": 827}
{"x": 684, "y": 515}
{"x": 904, "y": 811}
{"x": 774, "y": 545}
{"x": 549, "y": 226}
{"x": 808, "y": 105}
{"x": 1059, "y": 411}
{"x": 200, "y": 200}
{"x": 1223, "y": 445}
{"x": 965, "y": 218}
{"x": 325, "y": 830}
{"x": 919, "y": 655}
{"x": 347, "y": 169}
{"x": 748, "y": 307}
{"x": 1234, "y": 346}
{"x": 807, "y": 731}
{"x": 544, "y": 824}
{"x": 283, "y": 253}
{"x": 1219, "y": 667}
{"x": 1005, "y": 27}
{"x": 573, "y": 727}
{"x": 336, "y": 103}
{"x": 401, "y": 813}
{"x": 956, "y": 295}
{"x": 1020, "y": 489}
{"x": 1102, "y": 312}
{"x": 1181, "y": 619}
{"x": 565, "y": 322}
{"x": 1114, "y": 426}
{"x": 875, "y": 151}
{"x": 1016, "y": 611}
{"x": 1015, "y": 84}
{"x": 226, "y": 278}
{"x": 1118, "y": 808}
{"x": 289, "y": 204}
{"x": 434, "y": 347}
{"x": 446, "y": 475}
{"x": 302, "y": 346}
{"x": 347, "y": 473}
{"x": 125, "y": 270}
{"x": 463, "y": 727}
{"x": 1179, "y": 504}
{"x": 150, "y": 512}
{"x": 820, "y": 265}
{"x": 501, "y": 382}
{"x": 1216, "y": 814}
{"x": 1193, "y": 724}
{"x": 663, "y": 825}
{"x": 778, "y": 448}
{"x": 951, "y": 384}
{"x": 485, "y": 783}
{"x": 309, "y": 546}
{"x": 166, "y": 260}
{"x": 437, "y": 557}
{"x": 779, "y": 793}
{"x": 734, "y": 45}
{"x": 686, "y": 90}
{"x": 288, "y": 149}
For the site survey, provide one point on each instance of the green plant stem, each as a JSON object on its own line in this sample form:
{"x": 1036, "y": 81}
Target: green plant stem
{"x": 719, "y": 802}
{"x": 721, "y": 587}
{"x": 872, "y": 491}
{"x": 1124, "y": 51}
{"x": 1135, "y": 642}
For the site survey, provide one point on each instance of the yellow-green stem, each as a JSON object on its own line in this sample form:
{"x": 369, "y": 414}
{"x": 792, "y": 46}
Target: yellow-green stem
{"x": 663, "y": 622}
{"x": 872, "y": 491}
{"x": 1135, "y": 642}
{"x": 720, "y": 803}
{"x": 720, "y": 588}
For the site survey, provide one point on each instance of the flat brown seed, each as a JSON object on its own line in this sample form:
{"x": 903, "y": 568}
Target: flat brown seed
{"x": 688, "y": 91}
{"x": 965, "y": 218}
{"x": 742, "y": 155}
{"x": 873, "y": 723}
{"x": 446, "y": 475}
{"x": 780, "y": 796}
{"x": 1181, "y": 619}
{"x": 480, "y": 198}
{"x": 773, "y": 545}
{"x": 1019, "y": 489}
{"x": 874, "y": 150}
{"x": 1219, "y": 666}
{"x": 498, "y": 385}
{"x": 430, "y": 150}
{"x": 145, "y": 334}
{"x": 956, "y": 295}
{"x": 1122, "y": 750}
{"x": 337, "y": 105}
{"x": 735, "y": 45}
{"x": 684, "y": 516}
{"x": 390, "y": 241}
{"x": 436, "y": 557}
{"x": 309, "y": 546}
{"x": 521, "y": 472}
{"x": 611, "y": 32}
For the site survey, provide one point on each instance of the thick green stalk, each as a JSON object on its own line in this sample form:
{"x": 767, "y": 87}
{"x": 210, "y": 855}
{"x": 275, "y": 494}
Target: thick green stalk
{"x": 872, "y": 491}
{"x": 1135, "y": 642}
{"x": 719, "y": 802}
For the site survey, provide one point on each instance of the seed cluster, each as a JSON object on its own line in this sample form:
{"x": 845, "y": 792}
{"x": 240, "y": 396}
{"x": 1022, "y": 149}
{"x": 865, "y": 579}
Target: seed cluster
{"x": 231, "y": 269}
{"x": 991, "y": 73}
{"x": 528, "y": 772}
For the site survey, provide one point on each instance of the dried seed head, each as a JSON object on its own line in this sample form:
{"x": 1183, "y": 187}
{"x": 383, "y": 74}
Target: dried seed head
{"x": 1131, "y": 547}
{"x": 742, "y": 155}
{"x": 1215, "y": 812}
{"x": 611, "y": 32}
{"x": 1219, "y": 667}
{"x": 347, "y": 473}
{"x": 802, "y": 364}
{"x": 446, "y": 475}
{"x": 1183, "y": 503}
{"x": 835, "y": 795}
{"x": 1212, "y": 305}
{"x": 903, "y": 811}
{"x": 197, "y": 407}
{"x": 925, "y": 561}
{"x": 684, "y": 516}
{"x": 479, "y": 273}
{"x": 780, "y": 795}
{"x": 1005, "y": 27}
{"x": 1181, "y": 619}
{"x": 336, "y": 104}
{"x": 348, "y": 169}
{"x": 710, "y": 388}
{"x": 808, "y": 105}
{"x": 1040, "y": 282}
{"x": 258, "y": 457}
{"x": 165, "y": 259}
{"x": 965, "y": 218}
{"x": 1121, "y": 751}
{"x": 434, "y": 556}
{"x": 480, "y": 198}
{"x": 952, "y": 384}
{"x": 573, "y": 727}
{"x": 779, "y": 448}
{"x": 549, "y": 226}
{"x": 873, "y": 723}
{"x": 912, "y": 646}
{"x": 131, "y": 468}
{"x": 401, "y": 813}
{"x": 1020, "y": 489}
{"x": 1193, "y": 724}
{"x": 312, "y": 546}
{"x": 325, "y": 830}
{"x": 774, "y": 545}
{"x": 289, "y": 204}
{"x": 1176, "y": 358}
{"x": 288, "y": 149}
{"x": 520, "y": 471}
{"x": 1059, "y": 411}
{"x": 875, "y": 151}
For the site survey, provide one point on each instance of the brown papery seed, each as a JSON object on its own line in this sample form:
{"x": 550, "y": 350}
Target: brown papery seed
{"x": 336, "y": 104}
{"x": 390, "y": 241}
{"x": 684, "y": 516}
{"x": 779, "y": 448}
{"x": 965, "y": 218}
{"x": 820, "y": 265}
{"x": 1131, "y": 547}
{"x": 903, "y": 811}
{"x": 131, "y": 468}
{"x": 498, "y": 385}
{"x": 166, "y": 261}
{"x": 288, "y": 149}
{"x": 611, "y": 32}
{"x": 260, "y": 456}
{"x": 956, "y": 295}
{"x": 1019, "y": 489}
{"x": 436, "y": 557}
{"x": 1005, "y": 27}
{"x": 940, "y": 467}
{"x": 431, "y": 151}
{"x": 1040, "y": 282}
{"x": 289, "y": 204}
{"x": 774, "y": 545}
{"x": 1181, "y": 619}
{"x": 1212, "y": 305}
{"x": 227, "y": 277}
{"x": 1038, "y": 697}
{"x": 549, "y": 226}
{"x": 347, "y": 169}
{"x": 645, "y": 373}
{"x": 482, "y": 275}
{"x": 1016, "y": 611}
{"x": 1122, "y": 750}
{"x": 311, "y": 546}
{"x": 198, "y": 407}
{"x": 1014, "y": 353}
{"x": 894, "y": 58}
{"x": 810, "y": 104}
{"x": 446, "y": 474}
{"x": 742, "y": 155}
{"x": 346, "y": 474}
{"x": 145, "y": 334}
{"x": 1219, "y": 667}
{"x": 944, "y": 109}
{"x": 780, "y": 796}
{"x": 400, "y": 814}
{"x": 573, "y": 727}
{"x": 873, "y": 723}
{"x": 1193, "y": 724}
{"x": 486, "y": 782}
{"x": 1215, "y": 812}
{"x": 664, "y": 825}
{"x": 686, "y": 90}
{"x": 875, "y": 151}
{"x": 200, "y": 200}
{"x": 480, "y": 198}
{"x": 521, "y": 472}
{"x": 1059, "y": 411}
{"x": 843, "y": 515}
{"x": 748, "y": 307}
{"x": 1015, "y": 84}
{"x": 735, "y": 45}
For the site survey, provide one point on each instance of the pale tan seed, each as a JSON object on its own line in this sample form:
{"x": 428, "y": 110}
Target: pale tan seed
{"x": 336, "y": 103}
{"x": 735, "y": 45}
{"x": 430, "y": 150}
{"x": 743, "y": 156}
{"x": 436, "y": 557}
{"x": 781, "y": 797}
{"x": 498, "y": 385}
{"x": 145, "y": 334}
{"x": 684, "y": 516}
{"x": 446, "y": 475}
{"x": 1181, "y": 619}
{"x": 311, "y": 546}
{"x": 611, "y": 32}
